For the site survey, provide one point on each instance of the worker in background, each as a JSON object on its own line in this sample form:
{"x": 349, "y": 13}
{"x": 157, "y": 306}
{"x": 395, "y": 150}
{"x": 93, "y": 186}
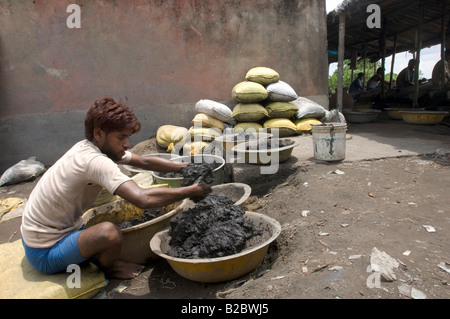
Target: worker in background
{"x": 52, "y": 229}
{"x": 375, "y": 80}
{"x": 438, "y": 69}
{"x": 356, "y": 87}
{"x": 406, "y": 76}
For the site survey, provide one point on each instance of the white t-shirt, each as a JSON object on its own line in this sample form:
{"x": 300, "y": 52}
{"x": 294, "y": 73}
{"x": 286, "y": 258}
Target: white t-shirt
{"x": 66, "y": 189}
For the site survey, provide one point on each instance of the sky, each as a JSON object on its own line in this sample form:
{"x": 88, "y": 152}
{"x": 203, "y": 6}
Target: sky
{"x": 428, "y": 56}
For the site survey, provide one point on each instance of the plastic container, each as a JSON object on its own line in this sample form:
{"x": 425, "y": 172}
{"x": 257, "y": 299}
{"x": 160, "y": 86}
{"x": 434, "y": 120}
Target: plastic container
{"x": 329, "y": 141}
{"x": 219, "y": 269}
{"x": 135, "y": 238}
{"x": 423, "y": 117}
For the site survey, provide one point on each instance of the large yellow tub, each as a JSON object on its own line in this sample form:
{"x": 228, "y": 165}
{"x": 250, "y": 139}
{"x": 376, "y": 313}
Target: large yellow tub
{"x": 220, "y": 269}
{"x": 423, "y": 117}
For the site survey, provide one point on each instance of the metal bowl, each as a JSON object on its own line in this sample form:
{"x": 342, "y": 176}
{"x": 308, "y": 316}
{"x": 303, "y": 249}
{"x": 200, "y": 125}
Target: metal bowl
{"x": 177, "y": 181}
{"x": 263, "y": 157}
{"x": 228, "y": 141}
{"x": 219, "y": 269}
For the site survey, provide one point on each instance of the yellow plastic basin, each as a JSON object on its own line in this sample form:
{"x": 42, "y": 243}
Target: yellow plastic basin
{"x": 423, "y": 117}
{"x": 223, "y": 268}
{"x": 135, "y": 238}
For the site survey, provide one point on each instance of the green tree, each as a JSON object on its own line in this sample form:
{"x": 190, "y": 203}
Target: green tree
{"x": 347, "y": 73}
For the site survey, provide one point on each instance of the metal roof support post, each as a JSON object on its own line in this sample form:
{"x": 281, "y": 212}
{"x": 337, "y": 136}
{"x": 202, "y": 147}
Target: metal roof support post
{"x": 444, "y": 10}
{"x": 341, "y": 49}
{"x": 383, "y": 60}
{"x": 393, "y": 62}
{"x": 419, "y": 47}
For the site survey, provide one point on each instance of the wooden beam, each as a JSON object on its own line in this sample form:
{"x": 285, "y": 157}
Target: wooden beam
{"x": 418, "y": 48}
{"x": 340, "y": 62}
{"x": 392, "y": 62}
{"x": 444, "y": 11}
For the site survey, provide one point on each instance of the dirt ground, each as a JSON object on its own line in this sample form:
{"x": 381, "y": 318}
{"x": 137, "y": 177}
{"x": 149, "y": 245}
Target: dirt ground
{"x": 332, "y": 216}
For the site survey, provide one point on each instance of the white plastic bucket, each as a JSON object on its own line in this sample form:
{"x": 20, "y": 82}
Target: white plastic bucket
{"x": 329, "y": 141}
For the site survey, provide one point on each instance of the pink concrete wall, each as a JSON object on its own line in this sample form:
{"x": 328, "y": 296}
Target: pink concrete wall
{"x": 151, "y": 53}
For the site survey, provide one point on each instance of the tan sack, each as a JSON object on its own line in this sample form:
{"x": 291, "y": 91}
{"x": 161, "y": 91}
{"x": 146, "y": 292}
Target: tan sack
{"x": 249, "y": 112}
{"x": 304, "y": 125}
{"x": 262, "y": 75}
{"x": 247, "y": 126}
{"x": 281, "y": 110}
{"x": 169, "y": 135}
{"x": 285, "y": 127}
{"x": 205, "y": 120}
{"x": 249, "y": 92}
{"x": 204, "y": 133}
{"x": 21, "y": 281}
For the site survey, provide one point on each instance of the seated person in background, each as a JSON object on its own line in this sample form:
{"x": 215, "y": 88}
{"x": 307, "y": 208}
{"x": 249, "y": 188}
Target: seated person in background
{"x": 439, "y": 67}
{"x": 406, "y": 76}
{"x": 375, "y": 80}
{"x": 356, "y": 86}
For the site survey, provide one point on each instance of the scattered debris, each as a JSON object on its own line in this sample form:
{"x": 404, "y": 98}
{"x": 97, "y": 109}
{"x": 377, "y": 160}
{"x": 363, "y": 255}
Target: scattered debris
{"x": 444, "y": 266}
{"x": 120, "y": 288}
{"x": 407, "y": 252}
{"x": 384, "y": 264}
{"x": 353, "y": 257}
{"x": 429, "y": 228}
{"x": 337, "y": 171}
{"x": 319, "y": 268}
{"x": 305, "y": 213}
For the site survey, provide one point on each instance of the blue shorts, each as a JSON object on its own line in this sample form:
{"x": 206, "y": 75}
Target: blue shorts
{"x": 58, "y": 257}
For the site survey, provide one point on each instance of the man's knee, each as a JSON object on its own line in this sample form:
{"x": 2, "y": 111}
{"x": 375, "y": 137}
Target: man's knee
{"x": 110, "y": 233}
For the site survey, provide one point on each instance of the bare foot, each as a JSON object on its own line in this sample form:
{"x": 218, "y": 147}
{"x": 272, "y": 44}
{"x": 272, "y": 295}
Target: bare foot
{"x": 124, "y": 270}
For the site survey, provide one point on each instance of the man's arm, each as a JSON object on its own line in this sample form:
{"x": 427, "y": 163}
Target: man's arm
{"x": 157, "y": 164}
{"x": 158, "y": 197}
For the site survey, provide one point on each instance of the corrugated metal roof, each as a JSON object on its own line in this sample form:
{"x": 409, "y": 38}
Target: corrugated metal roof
{"x": 400, "y": 18}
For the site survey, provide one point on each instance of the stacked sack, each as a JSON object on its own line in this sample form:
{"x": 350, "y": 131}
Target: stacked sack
{"x": 209, "y": 122}
{"x": 263, "y": 102}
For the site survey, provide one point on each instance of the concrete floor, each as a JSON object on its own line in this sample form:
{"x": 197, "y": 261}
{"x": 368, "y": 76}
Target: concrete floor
{"x": 383, "y": 138}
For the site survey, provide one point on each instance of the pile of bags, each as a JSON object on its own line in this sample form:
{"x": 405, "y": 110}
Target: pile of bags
{"x": 210, "y": 121}
{"x": 262, "y": 100}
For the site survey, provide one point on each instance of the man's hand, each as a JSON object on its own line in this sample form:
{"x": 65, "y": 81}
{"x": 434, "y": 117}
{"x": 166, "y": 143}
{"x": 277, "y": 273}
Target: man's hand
{"x": 200, "y": 188}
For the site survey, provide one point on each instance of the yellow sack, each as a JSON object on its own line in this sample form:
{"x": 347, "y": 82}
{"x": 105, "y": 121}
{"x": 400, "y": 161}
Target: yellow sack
{"x": 249, "y": 92}
{"x": 304, "y": 125}
{"x": 194, "y": 148}
{"x": 244, "y": 126}
{"x": 249, "y": 112}
{"x": 205, "y": 120}
{"x": 285, "y": 127}
{"x": 21, "y": 281}
{"x": 262, "y": 75}
{"x": 204, "y": 133}
{"x": 281, "y": 110}
{"x": 169, "y": 135}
